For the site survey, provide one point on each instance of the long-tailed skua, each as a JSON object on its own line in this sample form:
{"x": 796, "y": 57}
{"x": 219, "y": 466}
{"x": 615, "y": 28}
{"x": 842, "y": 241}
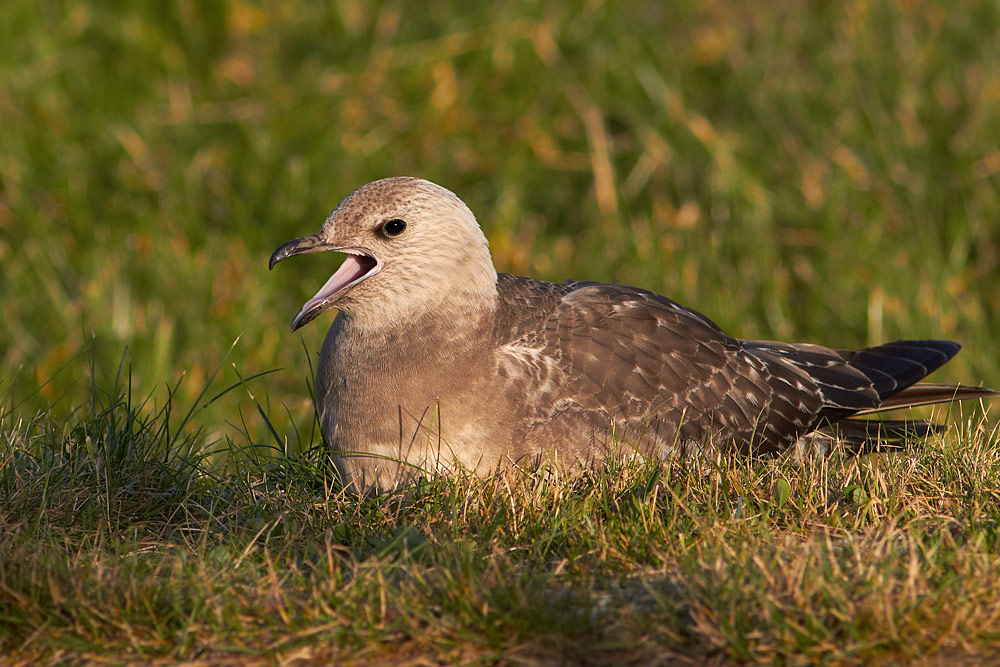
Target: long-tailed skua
{"x": 435, "y": 359}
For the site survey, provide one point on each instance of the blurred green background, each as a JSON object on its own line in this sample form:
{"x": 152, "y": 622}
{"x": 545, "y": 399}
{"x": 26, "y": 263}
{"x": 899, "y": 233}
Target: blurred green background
{"x": 818, "y": 171}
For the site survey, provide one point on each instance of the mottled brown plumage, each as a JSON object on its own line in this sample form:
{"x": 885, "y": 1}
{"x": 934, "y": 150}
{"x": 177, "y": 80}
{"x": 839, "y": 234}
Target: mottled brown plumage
{"x": 436, "y": 360}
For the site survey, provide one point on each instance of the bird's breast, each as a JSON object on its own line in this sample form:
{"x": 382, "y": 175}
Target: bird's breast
{"x": 391, "y": 406}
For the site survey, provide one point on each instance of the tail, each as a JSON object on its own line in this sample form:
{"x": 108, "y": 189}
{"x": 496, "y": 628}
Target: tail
{"x": 892, "y": 367}
{"x": 895, "y": 369}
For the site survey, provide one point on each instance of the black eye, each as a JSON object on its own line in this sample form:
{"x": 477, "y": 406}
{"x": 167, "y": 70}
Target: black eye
{"x": 394, "y": 227}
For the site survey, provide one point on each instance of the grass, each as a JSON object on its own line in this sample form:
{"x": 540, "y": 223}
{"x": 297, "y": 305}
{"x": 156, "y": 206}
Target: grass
{"x": 120, "y": 543}
{"x": 821, "y": 172}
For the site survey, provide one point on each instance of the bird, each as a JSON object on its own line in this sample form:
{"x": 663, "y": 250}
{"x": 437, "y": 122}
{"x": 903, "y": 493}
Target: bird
{"x": 436, "y": 362}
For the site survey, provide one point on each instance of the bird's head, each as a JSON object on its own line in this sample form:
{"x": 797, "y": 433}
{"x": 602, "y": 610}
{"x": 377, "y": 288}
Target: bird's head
{"x": 410, "y": 247}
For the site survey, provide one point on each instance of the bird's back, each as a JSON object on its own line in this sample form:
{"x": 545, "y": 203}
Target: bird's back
{"x": 593, "y": 362}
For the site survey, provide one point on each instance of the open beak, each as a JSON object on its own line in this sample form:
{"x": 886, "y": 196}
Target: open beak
{"x": 359, "y": 265}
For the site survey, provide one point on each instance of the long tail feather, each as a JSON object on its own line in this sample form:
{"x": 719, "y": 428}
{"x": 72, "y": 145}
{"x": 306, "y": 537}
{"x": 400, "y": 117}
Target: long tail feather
{"x": 929, "y": 393}
{"x": 865, "y": 435}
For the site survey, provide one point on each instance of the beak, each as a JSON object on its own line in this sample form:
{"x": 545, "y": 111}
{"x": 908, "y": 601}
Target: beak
{"x": 302, "y": 246}
{"x": 359, "y": 265}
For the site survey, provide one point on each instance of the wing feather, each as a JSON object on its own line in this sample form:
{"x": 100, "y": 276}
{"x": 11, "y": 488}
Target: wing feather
{"x": 624, "y": 355}
{"x": 614, "y": 355}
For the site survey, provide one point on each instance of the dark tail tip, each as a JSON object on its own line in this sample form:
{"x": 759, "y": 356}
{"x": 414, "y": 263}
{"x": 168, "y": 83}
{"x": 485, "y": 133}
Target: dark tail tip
{"x": 892, "y": 367}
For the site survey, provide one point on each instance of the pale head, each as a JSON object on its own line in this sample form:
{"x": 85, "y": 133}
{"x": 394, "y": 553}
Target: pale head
{"x": 412, "y": 247}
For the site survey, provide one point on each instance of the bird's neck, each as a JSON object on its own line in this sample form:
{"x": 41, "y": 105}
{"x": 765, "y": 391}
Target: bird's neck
{"x": 454, "y": 322}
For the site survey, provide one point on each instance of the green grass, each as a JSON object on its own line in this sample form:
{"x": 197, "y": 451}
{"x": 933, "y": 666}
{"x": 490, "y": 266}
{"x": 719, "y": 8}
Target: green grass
{"x": 823, "y": 172}
{"x": 119, "y": 543}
